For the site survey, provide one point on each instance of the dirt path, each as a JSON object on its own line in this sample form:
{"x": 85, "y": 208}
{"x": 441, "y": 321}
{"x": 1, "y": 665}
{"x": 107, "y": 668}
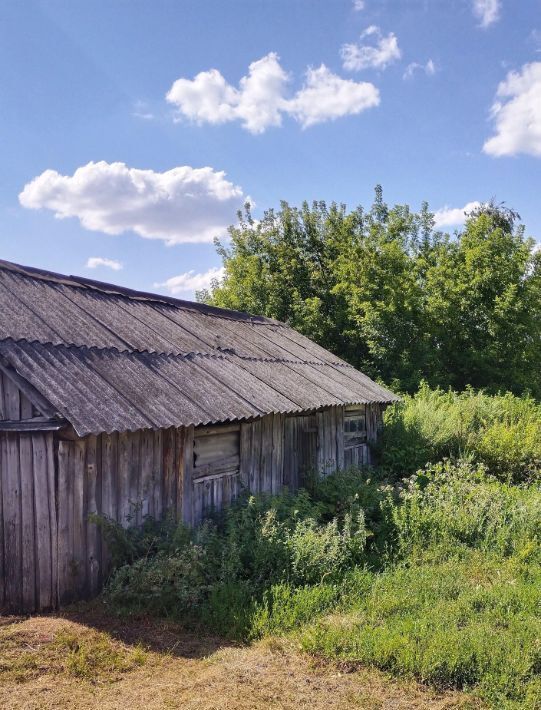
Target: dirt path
{"x": 88, "y": 660}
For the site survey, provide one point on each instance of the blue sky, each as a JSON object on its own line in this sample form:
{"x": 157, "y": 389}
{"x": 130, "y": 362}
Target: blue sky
{"x": 132, "y": 120}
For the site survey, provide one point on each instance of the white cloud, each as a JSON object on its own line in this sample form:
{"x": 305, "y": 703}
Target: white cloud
{"x": 192, "y": 281}
{"x": 487, "y": 11}
{"x": 429, "y": 69}
{"x": 96, "y": 261}
{"x": 325, "y": 96}
{"x": 517, "y": 114}
{"x": 358, "y": 5}
{"x": 257, "y": 102}
{"x": 364, "y": 56}
{"x": 262, "y": 99}
{"x": 180, "y": 205}
{"x": 451, "y": 216}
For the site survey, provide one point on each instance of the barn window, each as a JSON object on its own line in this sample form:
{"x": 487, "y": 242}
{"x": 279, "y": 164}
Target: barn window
{"x": 216, "y": 450}
{"x": 356, "y": 451}
{"x": 354, "y": 426}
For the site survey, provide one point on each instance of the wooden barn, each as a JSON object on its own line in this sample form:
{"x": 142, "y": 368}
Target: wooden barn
{"x": 131, "y": 404}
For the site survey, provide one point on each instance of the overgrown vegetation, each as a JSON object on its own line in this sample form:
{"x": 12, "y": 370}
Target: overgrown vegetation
{"x": 501, "y": 431}
{"x": 391, "y": 294}
{"x": 434, "y": 575}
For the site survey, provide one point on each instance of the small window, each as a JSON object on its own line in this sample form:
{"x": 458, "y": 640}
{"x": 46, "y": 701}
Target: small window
{"x": 354, "y": 427}
{"x": 216, "y": 451}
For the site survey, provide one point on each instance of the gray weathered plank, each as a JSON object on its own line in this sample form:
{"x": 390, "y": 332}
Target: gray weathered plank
{"x": 93, "y": 551}
{"x": 44, "y": 540}
{"x": 79, "y": 555}
{"x": 27, "y": 522}
{"x": 65, "y": 497}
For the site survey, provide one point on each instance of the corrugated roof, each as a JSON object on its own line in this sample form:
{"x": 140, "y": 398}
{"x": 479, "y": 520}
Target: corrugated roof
{"x": 112, "y": 359}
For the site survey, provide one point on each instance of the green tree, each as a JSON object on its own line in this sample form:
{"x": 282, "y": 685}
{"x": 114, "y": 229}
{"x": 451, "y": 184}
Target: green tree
{"x": 387, "y": 292}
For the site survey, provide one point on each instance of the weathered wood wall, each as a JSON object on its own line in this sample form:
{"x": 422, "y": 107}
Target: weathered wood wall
{"x": 27, "y": 508}
{"x": 51, "y": 552}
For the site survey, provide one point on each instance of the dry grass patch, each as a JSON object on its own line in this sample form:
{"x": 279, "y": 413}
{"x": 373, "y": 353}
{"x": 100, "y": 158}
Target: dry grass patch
{"x": 52, "y": 662}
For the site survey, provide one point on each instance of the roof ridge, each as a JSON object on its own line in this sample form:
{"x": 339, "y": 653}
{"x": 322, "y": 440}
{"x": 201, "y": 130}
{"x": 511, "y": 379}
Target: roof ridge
{"x": 216, "y": 353}
{"x": 133, "y": 294}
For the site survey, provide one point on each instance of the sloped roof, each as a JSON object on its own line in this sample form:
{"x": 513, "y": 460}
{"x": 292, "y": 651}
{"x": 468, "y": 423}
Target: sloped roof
{"x": 109, "y": 358}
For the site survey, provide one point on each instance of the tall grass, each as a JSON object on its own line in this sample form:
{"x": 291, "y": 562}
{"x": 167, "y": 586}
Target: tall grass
{"x": 501, "y": 431}
{"x": 435, "y": 575}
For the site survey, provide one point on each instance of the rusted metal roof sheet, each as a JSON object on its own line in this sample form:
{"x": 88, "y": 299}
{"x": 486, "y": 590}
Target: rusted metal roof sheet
{"x": 111, "y": 359}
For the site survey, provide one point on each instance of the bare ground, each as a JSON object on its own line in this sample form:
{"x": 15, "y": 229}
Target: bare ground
{"x": 85, "y": 659}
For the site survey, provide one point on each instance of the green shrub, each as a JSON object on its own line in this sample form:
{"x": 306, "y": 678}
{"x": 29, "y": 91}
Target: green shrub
{"x": 501, "y": 431}
{"x": 448, "y": 507}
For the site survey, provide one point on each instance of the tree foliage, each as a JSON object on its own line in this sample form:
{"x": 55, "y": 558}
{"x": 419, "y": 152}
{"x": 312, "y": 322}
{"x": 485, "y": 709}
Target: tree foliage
{"x": 392, "y": 295}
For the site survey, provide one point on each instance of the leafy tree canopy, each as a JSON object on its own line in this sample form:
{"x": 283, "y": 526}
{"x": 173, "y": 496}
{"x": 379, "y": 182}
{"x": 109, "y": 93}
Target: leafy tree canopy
{"x": 386, "y": 291}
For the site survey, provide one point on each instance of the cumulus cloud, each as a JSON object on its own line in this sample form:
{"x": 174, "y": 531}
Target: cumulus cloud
{"x": 358, "y": 5}
{"x": 95, "y": 262}
{"x": 429, "y": 69}
{"x": 262, "y": 99}
{"x": 325, "y": 96}
{"x": 378, "y": 55}
{"x": 487, "y": 11}
{"x": 516, "y": 113}
{"x": 192, "y": 281}
{"x": 184, "y": 204}
{"x": 451, "y": 216}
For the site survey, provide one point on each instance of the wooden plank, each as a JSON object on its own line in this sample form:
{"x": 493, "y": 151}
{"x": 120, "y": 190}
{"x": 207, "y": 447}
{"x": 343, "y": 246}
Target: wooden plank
{"x": 93, "y": 551}
{"x": 227, "y": 464}
{"x": 179, "y": 470}
{"x": 34, "y": 424}
{"x": 123, "y": 488}
{"x": 320, "y": 443}
{"x": 109, "y": 475}
{"x": 266, "y": 454}
{"x": 196, "y": 513}
{"x": 277, "y": 467}
{"x": 3, "y": 467}
{"x": 44, "y": 541}
{"x": 2, "y": 409}
{"x": 52, "y": 506}
{"x": 26, "y": 407}
{"x": 205, "y": 431}
{"x": 340, "y": 437}
{"x": 135, "y": 477}
{"x": 255, "y": 466}
{"x": 245, "y": 455}
{"x": 188, "y": 489}
{"x": 147, "y": 463}
{"x": 157, "y": 476}
{"x": 168, "y": 468}
{"x": 12, "y": 523}
{"x": 12, "y": 400}
{"x": 65, "y": 484}
{"x": 79, "y": 521}
{"x": 27, "y": 523}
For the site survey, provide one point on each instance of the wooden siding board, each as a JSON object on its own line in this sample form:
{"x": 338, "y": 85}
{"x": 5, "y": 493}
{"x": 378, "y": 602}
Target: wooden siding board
{"x": 147, "y": 463}
{"x": 52, "y": 483}
{"x": 124, "y": 507}
{"x": 188, "y": 497}
{"x": 79, "y": 518}
{"x": 255, "y": 465}
{"x": 44, "y": 540}
{"x": 3, "y": 464}
{"x": 27, "y": 522}
{"x": 65, "y": 481}
{"x": 157, "y": 477}
{"x": 93, "y": 551}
